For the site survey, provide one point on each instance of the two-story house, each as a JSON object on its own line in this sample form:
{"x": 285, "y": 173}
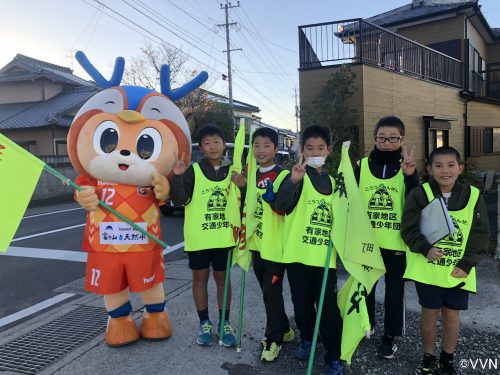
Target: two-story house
{"x": 38, "y": 101}
{"x": 433, "y": 63}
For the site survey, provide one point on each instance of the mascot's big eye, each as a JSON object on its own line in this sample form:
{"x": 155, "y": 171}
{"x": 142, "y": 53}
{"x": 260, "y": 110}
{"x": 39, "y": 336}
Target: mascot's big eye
{"x": 149, "y": 144}
{"x": 106, "y": 137}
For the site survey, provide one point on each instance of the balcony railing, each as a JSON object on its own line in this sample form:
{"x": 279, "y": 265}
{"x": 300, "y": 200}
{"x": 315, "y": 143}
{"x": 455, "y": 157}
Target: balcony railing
{"x": 359, "y": 41}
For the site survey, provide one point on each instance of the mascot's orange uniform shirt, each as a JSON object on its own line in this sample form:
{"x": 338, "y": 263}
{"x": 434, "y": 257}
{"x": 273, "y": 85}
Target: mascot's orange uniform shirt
{"x": 107, "y": 233}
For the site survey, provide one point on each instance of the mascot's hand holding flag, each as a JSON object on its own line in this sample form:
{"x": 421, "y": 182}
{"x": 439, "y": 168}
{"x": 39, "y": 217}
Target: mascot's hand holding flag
{"x": 353, "y": 237}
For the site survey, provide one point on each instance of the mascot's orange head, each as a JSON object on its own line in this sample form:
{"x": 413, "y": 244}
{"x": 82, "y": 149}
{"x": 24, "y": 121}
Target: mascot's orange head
{"x": 125, "y": 133}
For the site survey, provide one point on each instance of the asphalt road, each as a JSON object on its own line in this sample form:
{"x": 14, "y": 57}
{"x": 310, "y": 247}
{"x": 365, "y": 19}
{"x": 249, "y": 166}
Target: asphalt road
{"x": 51, "y": 231}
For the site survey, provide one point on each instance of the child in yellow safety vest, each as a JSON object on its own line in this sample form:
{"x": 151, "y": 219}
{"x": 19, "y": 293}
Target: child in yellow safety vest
{"x": 444, "y": 272}
{"x": 208, "y": 235}
{"x": 265, "y": 242}
{"x": 306, "y": 197}
{"x": 385, "y": 177}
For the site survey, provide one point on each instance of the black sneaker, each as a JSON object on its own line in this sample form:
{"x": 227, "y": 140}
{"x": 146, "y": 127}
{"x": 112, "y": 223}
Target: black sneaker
{"x": 445, "y": 368}
{"x": 387, "y": 350}
{"x": 427, "y": 365}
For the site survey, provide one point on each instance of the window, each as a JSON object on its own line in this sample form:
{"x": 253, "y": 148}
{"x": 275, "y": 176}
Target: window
{"x": 437, "y": 133}
{"x": 494, "y": 80}
{"x": 491, "y": 140}
{"x": 450, "y": 48}
{"x": 60, "y": 146}
{"x": 476, "y": 70}
{"x": 438, "y": 138}
{"x": 484, "y": 141}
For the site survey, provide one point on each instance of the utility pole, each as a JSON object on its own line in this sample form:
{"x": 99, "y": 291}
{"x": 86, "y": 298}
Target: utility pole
{"x": 228, "y": 50}
{"x": 297, "y": 118}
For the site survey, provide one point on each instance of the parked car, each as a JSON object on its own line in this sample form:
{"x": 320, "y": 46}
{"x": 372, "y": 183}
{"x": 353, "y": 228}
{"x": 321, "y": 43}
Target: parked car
{"x": 169, "y": 208}
{"x": 282, "y": 158}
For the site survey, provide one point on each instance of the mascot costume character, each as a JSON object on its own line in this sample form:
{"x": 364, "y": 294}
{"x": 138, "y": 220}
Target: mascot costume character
{"x": 123, "y": 143}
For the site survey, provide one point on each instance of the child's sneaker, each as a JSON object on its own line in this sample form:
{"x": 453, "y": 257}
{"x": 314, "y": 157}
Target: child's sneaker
{"x": 205, "y": 333}
{"x": 387, "y": 350}
{"x": 303, "y": 351}
{"x": 270, "y": 352}
{"x": 334, "y": 368}
{"x": 427, "y": 365}
{"x": 445, "y": 368}
{"x": 288, "y": 335}
{"x": 228, "y": 338}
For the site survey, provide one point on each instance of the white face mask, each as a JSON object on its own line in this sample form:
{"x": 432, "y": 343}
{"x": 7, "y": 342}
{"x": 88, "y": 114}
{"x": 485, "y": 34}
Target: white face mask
{"x": 316, "y": 161}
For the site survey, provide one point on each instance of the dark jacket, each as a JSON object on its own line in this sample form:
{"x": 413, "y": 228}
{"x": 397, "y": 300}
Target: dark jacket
{"x": 289, "y": 193}
{"x": 181, "y": 189}
{"x": 385, "y": 165}
{"x": 479, "y": 234}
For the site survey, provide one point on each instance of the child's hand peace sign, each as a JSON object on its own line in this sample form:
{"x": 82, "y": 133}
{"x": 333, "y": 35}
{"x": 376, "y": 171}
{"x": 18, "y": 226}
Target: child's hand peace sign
{"x": 299, "y": 170}
{"x": 179, "y": 166}
{"x": 408, "y": 165}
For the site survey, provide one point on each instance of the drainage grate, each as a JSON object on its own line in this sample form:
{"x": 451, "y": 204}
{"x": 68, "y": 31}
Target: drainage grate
{"x": 39, "y": 348}
{"x": 75, "y": 287}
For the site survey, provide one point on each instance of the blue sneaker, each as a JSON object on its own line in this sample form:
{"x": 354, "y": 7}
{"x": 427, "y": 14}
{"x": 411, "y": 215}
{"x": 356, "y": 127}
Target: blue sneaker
{"x": 205, "y": 334}
{"x": 228, "y": 339}
{"x": 334, "y": 368}
{"x": 303, "y": 351}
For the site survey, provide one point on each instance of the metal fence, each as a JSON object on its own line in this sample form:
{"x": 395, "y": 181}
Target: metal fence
{"x": 359, "y": 41}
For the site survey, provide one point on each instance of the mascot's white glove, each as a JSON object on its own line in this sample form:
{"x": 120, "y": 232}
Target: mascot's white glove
{"x": 161, "y": 186}
{"x": 87, "y": 198}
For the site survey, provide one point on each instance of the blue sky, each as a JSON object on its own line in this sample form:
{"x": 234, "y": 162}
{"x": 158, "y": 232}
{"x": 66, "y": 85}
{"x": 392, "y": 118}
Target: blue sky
{"x": 265, "y": 72}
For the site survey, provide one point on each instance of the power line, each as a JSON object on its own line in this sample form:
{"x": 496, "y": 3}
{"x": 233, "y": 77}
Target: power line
{"x": 151, "y": 33}
{"x": 161, "y": 25}
{"x": 142, "y": 30}
{"x": 194, "y": 18}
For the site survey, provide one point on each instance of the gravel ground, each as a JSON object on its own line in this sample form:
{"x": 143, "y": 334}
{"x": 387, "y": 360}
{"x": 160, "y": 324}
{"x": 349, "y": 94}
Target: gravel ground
{"x": 474, "y": 345}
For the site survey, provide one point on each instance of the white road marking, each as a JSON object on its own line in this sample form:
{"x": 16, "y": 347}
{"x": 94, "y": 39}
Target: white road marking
{"x": 51, "y": 213}
{"x": 48, "y": 232}
{"x": 72, "y": 256}
{"x": 67, "y": 255}
{"x": 34, "y": 309}
{"x": 33, "y": 252}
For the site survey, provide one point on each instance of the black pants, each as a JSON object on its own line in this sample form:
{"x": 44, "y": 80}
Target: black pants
{"x": 270, "y": 277}
{"x": 395, "y": 265}
{"x": 305, "y": 285}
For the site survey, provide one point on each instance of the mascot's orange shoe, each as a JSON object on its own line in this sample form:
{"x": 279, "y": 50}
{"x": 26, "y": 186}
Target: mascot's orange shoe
{"x": 121, "y": 331}
{"x": 156, "y": 326}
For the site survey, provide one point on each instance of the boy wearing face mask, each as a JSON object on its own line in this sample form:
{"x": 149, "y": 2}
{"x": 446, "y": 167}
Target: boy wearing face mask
{"x": 306, "y": 197}
{"x": 385, "y": 178}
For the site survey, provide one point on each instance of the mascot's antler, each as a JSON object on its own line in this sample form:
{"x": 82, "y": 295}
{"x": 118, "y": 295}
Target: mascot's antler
{"x": 120, "y": 68}
{"x": 102, "y": 82}
{"x": 181, "y": 91}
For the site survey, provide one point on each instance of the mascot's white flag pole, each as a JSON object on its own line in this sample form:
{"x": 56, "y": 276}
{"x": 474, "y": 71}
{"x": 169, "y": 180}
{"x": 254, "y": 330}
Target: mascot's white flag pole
{"x": 68, "y": 181}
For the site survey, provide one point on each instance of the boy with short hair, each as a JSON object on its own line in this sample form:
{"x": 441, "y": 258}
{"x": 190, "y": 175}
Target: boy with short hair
{"x": 306, "y": 196}
{"x": 265, "y": 243}
{"x": 385, "y": 178}
{"x": 208, "y": 236}
{"x": 444, "y": 272}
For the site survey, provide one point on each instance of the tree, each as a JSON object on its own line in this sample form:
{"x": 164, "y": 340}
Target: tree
{"x": 197, "y": 107}
{"x": 331, "y": 108}
{"x": 145, "y": 68}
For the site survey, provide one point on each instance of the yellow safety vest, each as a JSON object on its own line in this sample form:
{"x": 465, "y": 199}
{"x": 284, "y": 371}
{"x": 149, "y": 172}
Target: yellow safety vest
{"x": 205, "y": 222}
{"x": 269, "y": 231}
{"x": 438, "y": 272}
{"x": 307, "y": 229}
{"x": 384, "y": 201}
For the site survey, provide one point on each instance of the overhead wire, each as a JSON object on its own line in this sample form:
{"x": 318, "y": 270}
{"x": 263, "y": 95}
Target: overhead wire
{"x": 183, "y": 52}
